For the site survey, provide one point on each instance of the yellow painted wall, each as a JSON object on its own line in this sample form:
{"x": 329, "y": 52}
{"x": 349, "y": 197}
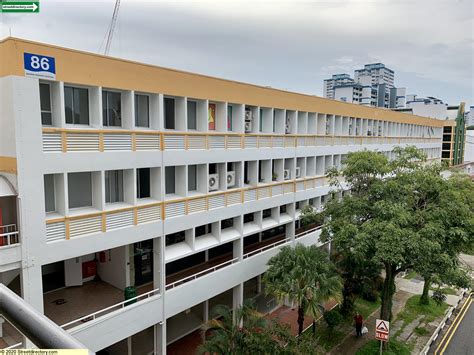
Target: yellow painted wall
{"x": 78, "y": 67}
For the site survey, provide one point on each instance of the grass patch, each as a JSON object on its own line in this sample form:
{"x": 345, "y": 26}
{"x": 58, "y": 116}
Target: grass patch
{"x": 394, "y": 348}
{"x": 413, "y": 310}
{"x": 366, "y": 308}
{"x": 324, "y": 337}
{"x": 412, "y": 274}
{"x": 445, "y": 290}
{"x": 421, "y": 331}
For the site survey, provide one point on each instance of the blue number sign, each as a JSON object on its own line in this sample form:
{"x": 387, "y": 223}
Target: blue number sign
{"x": 39, "y": 66}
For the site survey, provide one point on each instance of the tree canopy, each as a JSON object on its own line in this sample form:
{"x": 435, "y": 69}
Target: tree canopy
{"x": 400, "y": 213}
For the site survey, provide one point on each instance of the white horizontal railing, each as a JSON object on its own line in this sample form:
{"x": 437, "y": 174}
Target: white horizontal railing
{"x": 266, "y": 247}
{"x": 14, "y": 346}
{"x": 9, "y": 235}
{"x": 110, "y": 309}
{"x": 309, "y": 231}
{"x": 201, "y": 273}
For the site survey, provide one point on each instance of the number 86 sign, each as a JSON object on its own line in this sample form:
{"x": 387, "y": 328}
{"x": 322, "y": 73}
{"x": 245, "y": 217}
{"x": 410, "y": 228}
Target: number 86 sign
{"x": 39, "y": 66}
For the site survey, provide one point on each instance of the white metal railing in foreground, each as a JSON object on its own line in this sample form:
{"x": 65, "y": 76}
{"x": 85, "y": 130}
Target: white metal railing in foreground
{"x": 9, "y": 235}
{"x": 201, "y": 273}
{"x": 14, "y": 346}
{"x": 105, "y": 311}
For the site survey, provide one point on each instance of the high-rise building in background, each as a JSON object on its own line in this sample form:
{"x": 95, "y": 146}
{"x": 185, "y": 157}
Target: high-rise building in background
{"x": 372, "y": 86}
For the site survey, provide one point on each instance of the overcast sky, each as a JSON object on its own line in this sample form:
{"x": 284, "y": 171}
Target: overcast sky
{"x": 288, "y": 44}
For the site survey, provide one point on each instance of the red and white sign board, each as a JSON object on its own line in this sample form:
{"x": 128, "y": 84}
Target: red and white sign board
{"x": 382, "y": 329}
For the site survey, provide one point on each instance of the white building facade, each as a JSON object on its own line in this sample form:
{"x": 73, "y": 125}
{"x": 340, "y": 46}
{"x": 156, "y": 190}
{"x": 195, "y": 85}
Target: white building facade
{"x": 116, "y": 174}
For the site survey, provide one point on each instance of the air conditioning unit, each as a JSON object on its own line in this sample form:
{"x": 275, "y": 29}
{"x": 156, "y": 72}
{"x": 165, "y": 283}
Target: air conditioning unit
{"x": 298, "y": 172}
{"x": 286, "y": 174}
{"x": 248, "y": 115}
{"x": 230, "y": 179}
{"x": 248, "y": 126}
{"x": 213, "y": 182}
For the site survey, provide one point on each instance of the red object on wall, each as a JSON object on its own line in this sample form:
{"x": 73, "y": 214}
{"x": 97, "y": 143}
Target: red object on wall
{"x": 102, "y": 256}
{"x": 89, "y": 268}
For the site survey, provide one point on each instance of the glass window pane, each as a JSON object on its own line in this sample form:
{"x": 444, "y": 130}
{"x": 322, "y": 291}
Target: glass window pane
{"x": 170, "y": 180}
{"x": 45, "y": 98}
{"x": 192, "y": 180}
{"x": 192, "y": 123}
{"x": 112, "y": 109}
{"x": 68, "y": 103}
{"x": 81, "y": 106}
{"x": 49, "y": 196}
{"x": 105, "y": 120}
{"x": 143, "y": 183}
{"x": 79, "y": 189}
{"x": 169, "y": 113}
{"x": 114, "y": 186}
{"x": 142, "y": 115}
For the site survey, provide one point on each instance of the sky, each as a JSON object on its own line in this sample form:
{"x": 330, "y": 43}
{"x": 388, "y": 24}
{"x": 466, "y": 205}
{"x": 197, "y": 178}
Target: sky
{"x": 286, "y": 44}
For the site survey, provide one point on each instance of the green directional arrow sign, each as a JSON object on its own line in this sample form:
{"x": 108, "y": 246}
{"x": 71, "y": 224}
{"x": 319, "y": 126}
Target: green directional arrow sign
{"x": 19, "y": 6}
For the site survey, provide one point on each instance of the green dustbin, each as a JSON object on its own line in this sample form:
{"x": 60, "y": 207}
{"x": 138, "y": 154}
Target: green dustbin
{"x": 128, "y": 293}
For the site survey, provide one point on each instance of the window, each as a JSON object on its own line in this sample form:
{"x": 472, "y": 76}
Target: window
{"x": 143, "y": 183}
{"x": 227, "y": 223}
{"x": 248, "y": 218}
{"x": 49, "y": 196}
{"x": 282, "y": 209}
{"x": 169, "y": 113}
{"x": 111, "y": 109}
{"x": 170, "y": 187}
{"x": 267, "y": 213}
{"x": 114, "y": 186}
{"x": 229, "y": 117}
{"x": 45, "y": 103}
{"x": 142, "y": 111}
{"x": 79, "y": 189}
{"x": 76, "y": 101}
{"x": 192, "y": 115}
{"x": 192, "y": 178}
{"x": 175, "y": 238}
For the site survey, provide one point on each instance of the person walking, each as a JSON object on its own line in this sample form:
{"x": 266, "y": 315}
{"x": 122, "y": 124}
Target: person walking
{"x": 359, "y": 321}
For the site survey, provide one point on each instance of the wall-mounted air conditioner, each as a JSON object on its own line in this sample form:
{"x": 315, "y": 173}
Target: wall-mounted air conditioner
{"x": 230, "y": 179}
{"x": 213, "y": 182}
{"x": 286, "y": 174}
{"x": 248, "y": 126}
{"x": 298, "y": 172}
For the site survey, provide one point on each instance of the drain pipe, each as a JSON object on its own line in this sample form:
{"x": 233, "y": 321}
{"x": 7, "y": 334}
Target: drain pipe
{"x": 42, "y": 331}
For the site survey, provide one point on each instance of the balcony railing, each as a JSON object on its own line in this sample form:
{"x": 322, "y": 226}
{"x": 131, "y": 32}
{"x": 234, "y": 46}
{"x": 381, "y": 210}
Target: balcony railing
{"x": 201, "y": 273}
{"x": 56, "y": 140}
{"x": 9, "y": 235}
{"x": 74, "y": 226}
{"x": 108, "y": 310}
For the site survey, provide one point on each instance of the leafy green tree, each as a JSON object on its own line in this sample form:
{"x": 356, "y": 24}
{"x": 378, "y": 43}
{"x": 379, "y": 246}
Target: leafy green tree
{"x": 246, "y": 332}
{"x": 309, "y": 216}
{"x": 390, "y": 216}
{"x": 305, "y": 276}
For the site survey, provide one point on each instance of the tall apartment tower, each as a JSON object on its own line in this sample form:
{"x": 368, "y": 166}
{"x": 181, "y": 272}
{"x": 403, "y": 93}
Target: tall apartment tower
{"x": 135, "y": 198}
{"x": 372, "y": 86}
{"x": 336, "y": 80}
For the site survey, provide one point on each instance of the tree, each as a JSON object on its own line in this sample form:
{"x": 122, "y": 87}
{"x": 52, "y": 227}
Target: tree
{"x": 390, "y": 215}
{"x": 305, "y": 276}
{"x": 246, "y": 333}
{"x": 309, "y": 216}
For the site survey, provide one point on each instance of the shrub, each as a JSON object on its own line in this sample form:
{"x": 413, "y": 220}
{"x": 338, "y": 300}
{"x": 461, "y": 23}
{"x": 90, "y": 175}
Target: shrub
{"x": 439, "y": 297}
{"x": 332, "y": 318}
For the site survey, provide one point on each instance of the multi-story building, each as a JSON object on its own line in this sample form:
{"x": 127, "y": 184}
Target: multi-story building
{"x": 117, "y": 174}
{"x": 335, "y": 81}
{"x": 372, "y": 86}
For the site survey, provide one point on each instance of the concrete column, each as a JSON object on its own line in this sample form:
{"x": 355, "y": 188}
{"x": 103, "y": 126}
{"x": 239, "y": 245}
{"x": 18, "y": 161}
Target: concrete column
{"x": 160, "y": 338}
{"x": 259, "y": 284}
{"x": 237, "y": 297}
{"x": 205, "y": 311}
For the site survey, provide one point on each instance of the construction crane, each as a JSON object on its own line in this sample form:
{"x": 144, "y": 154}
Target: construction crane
{"x": 110, "y": 30}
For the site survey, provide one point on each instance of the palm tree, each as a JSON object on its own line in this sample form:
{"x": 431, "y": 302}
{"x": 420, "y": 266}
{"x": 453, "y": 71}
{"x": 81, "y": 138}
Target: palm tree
{"x": 306, "y": 277}
{"x": 243, "y": 331}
